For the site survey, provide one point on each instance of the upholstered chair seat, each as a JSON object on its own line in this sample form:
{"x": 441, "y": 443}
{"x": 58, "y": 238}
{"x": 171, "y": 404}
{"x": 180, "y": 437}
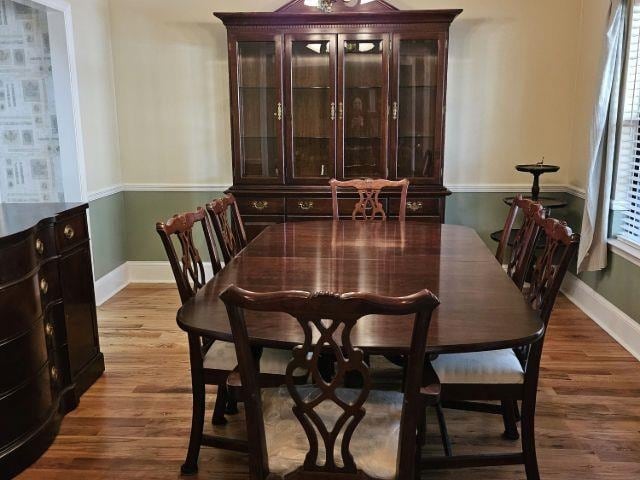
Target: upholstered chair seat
{"x": 222, "y": 356}
{"x": 494, "y": 367}
{"x": 374, "y": 445}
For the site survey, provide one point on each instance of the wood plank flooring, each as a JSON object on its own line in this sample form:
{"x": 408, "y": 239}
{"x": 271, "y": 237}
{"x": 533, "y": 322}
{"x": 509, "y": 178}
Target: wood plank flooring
{"x": 134, "y": 423}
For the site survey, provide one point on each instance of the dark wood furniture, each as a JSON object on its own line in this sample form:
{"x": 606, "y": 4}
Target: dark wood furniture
{"x": 522, "y": 252}
{"x": 368, "y": 205}
{"x": 328, "y": 414}
{"x": 212, "y": 362}
{"x": 358, "y": 92}
{"x": 228, "y": 225}
{"x": 487, "y": 376}
{"x": 49, "y": 350}
{"x": 449, "y": 260}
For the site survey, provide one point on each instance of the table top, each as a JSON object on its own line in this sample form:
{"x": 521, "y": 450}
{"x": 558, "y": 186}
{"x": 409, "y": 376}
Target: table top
{"x": 481, "y": 308}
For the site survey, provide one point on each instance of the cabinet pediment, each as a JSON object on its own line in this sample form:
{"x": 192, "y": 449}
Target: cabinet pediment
{"x": 339, "y": 6}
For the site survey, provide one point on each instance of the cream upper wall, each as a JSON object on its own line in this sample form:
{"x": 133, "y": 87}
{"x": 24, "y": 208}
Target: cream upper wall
{"x": 94, "y": 61}
{"x": 510, "y": 97}
{"x": 591, "y": 38}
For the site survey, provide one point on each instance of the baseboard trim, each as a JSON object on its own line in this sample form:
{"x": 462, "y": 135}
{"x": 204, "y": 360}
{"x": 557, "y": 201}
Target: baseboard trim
{"x": 110, "y": 284}
{"x": 620, "y": 326}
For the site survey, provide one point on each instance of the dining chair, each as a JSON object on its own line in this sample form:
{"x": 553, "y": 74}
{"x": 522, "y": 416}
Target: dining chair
{"x": 369, "y": 205}
{"x": 524, "y": 244}
{"x": 499, "y": 375}
{"x": 228, "y": 226}
{"x": 211, "y": 361}
{"x": 323, "y": 430}
{"x": 508, "y": 229}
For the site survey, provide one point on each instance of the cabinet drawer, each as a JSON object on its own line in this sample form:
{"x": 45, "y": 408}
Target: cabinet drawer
{"x": 20, "y": 306}
{"x": 416, "y": 207}
{"x": 261, "y": 206}
{"x": 22, "y": 357}
{"x": 322, "y": 207}
{"x": 49, "y": 283}
{"x": 45, "y": 243}
{"x": 71, "y": 231}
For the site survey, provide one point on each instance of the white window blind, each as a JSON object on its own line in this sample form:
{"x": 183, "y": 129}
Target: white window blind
{"x": 628, "y": 181}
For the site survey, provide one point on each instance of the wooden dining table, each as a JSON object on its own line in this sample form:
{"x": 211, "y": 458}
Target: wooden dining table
{"x": 480, "y": 307}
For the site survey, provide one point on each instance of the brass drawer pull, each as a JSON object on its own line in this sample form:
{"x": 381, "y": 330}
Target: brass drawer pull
{"x": 39, "y": 246}
{"x": 48, "y": 328}
{"x": 259, "y": 204}
{"x": 278, "y": 112}
{"x": 44, "y": 286}
{"x": 69, "y": 232}
{"x": 54, "y": 374}
{"x": 414, "y": 206}
{"x": 305, "y": 205}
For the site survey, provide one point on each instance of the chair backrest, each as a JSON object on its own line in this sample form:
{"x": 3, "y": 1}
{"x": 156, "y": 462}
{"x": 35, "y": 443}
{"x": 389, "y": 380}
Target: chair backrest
{"x": 508, "y": 228}
{"x": 228, "y": 226}
{"x": 524, "y": 243}
{"x": 188, "y": 268}
{"x": 324, "y": 317}
{"x": 369, "y": 205}
{"x": 551, "y": 266}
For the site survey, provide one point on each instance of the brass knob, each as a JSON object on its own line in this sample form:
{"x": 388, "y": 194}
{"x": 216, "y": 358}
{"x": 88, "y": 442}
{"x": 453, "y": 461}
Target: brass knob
{"x": 305, "y": 205}
{"x": 44, "y": 286}
{"x": 259, "y": 204}
{"x": 54, "y": 374}
{"x": 48, "y": 328}
{"x": 69, "y": 232}
{"x": 414, "y": 206}
{"x": 39, "y": 246}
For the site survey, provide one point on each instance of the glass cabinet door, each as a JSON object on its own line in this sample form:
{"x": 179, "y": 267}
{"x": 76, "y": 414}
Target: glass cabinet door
{"x": 258, "y": 144}
{"x": 363, "y": 72}
{"x": 415, "y": 110}
{"x": 311, "y": 113}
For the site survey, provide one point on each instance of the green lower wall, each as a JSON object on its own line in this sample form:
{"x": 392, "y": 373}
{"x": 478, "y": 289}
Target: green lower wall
{"x": 144, "y": 209}
{"x": 108, "y": 233}
{"x": 483, "y": 211}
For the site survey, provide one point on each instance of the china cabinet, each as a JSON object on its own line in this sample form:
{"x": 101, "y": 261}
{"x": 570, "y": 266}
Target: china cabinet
{"x": 358, "y": 91}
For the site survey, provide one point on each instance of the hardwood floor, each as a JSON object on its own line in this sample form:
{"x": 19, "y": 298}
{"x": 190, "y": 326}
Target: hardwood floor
{"x": 134, "y": 423}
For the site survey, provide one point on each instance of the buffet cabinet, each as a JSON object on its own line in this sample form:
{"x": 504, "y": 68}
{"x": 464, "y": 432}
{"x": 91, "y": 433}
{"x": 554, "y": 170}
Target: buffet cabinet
{"x": 49, "y": 350}
{"x": 352, "y": 93}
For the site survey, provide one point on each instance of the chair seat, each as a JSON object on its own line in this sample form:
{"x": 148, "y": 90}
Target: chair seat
{"x": 492, "y": 367}
{"x": 374, "y": 444}
{"x": 222, "y": 356}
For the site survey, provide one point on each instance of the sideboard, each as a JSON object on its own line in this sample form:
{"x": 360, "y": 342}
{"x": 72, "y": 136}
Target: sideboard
{"x": 49, "y": 350}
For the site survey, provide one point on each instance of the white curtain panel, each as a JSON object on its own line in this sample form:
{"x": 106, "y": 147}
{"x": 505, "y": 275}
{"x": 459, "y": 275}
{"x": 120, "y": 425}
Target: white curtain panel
{"x": 592, "y": 253}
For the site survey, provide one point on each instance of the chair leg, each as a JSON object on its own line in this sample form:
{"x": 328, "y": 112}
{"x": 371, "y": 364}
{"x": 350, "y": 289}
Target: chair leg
{"x": 517, "y": 410}
{"x": 529, "y": 444}
{"x": 222, "y": 396}
{"x": 444, "y": 432}
{"x": 232, "y": 406}
{"x": 190, "y": 466}
{"x": 509, "y": 418}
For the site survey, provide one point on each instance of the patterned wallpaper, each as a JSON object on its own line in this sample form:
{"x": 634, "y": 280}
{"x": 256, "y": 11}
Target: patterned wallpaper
{"x": 30, "y": 169}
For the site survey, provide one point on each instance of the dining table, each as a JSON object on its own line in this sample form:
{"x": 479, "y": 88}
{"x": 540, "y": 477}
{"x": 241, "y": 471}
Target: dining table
{"x": 480, "y": 307}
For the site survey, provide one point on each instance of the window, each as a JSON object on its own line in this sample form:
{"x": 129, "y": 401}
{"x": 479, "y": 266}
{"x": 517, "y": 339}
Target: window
{"x": 38, "y": 128}
{"x": 628, "y": 177}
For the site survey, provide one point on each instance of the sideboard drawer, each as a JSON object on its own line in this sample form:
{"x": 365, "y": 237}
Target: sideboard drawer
{"x": 44, "y": 243}
{"x": 416, "y": 207}
{"x": 71, "y": 231}
{"x": 261, "y": 206}
{"x": 49, "y": 283}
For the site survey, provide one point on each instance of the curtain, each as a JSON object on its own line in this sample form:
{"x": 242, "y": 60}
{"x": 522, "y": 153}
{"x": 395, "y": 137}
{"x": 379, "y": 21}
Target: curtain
{"x": 592, "y": 253}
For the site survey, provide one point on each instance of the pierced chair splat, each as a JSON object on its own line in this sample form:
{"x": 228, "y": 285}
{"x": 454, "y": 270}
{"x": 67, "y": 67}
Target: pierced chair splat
{"x": 369, "y": 205}
{"x": 374, "y": 432}
{"x": 228, "y": 226}
{"x": 524, "y": 244}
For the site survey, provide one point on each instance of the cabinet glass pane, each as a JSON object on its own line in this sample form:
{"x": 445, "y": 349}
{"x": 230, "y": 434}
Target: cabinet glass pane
{"x": 363, "y": 92}
{"x": 311, "y": 82}
{"x": 258, "y": 98}
{"x": 418, "y": 60}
